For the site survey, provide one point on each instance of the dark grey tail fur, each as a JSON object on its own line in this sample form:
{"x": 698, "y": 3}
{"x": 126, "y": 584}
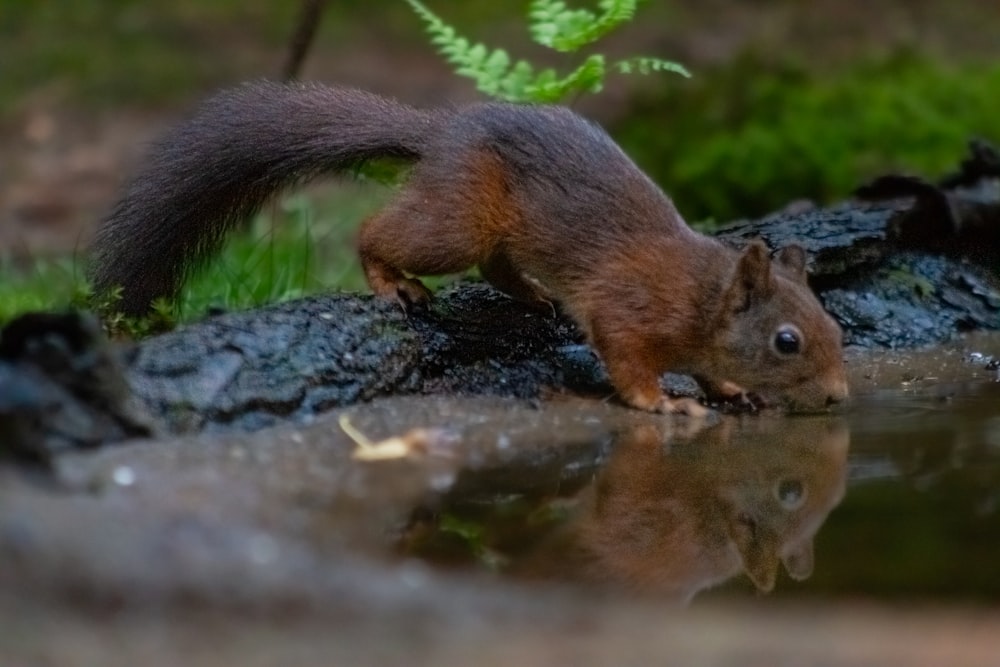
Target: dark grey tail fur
{"x": 213, "y": 171}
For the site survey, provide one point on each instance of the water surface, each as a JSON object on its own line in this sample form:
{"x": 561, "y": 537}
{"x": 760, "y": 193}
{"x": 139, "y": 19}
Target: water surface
{"x": 895, "y": 498}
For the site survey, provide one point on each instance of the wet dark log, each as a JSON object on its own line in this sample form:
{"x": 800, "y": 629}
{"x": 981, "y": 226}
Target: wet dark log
{"x": 958, "y": 218}
{"x": 916, "y": 266}
{"x": 62, "y": 387}
{"x": 298, "y": 359}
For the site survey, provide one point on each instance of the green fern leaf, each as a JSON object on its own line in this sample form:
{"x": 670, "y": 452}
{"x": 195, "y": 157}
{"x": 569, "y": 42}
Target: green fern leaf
{"x": 514, "y": 85}
{"x": 587, "y": 78}
{"x": 497, "y": 64}
{"x": 556, "y": 26}
{"x": 646, "y": 65}
{"x": 553, "y": 24}
{"x": 542, "y": 20}
{"x": 476, "y": 56}
{"x": 488, "y": 69}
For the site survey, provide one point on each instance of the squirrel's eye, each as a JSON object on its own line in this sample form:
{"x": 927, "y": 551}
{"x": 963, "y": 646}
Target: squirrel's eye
{"x": 787, "y": 340}
{"x": 791, "y": 493}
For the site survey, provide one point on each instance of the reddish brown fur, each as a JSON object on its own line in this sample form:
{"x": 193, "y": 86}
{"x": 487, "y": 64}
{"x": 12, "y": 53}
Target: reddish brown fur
{"x": 663, "y": 516}
{"x": 542, "y": 201}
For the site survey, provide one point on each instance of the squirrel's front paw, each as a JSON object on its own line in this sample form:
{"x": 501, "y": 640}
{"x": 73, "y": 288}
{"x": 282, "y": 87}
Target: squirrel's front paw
{"x": 730, "y": 397}
{"x": 737, "y": 402}
{"x": 672, "y": 406}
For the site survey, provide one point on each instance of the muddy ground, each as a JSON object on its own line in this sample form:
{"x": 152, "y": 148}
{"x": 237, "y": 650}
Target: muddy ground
{"x": 282, "y": 547}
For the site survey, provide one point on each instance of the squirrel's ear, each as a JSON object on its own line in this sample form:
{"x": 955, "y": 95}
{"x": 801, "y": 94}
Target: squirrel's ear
{"x": 793, "y": 259}
{"x": 759, "y": 553}
{"x": 752, "y": 277}
{"x": 799, "y": 561}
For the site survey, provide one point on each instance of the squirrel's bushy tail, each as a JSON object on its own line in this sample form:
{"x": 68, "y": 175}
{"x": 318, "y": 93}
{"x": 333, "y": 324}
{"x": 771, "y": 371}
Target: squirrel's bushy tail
{"x": 219, "y": 167}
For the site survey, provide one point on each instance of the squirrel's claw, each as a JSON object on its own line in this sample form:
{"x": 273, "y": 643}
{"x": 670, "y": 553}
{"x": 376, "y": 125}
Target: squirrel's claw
{"x": 410, "y": 293}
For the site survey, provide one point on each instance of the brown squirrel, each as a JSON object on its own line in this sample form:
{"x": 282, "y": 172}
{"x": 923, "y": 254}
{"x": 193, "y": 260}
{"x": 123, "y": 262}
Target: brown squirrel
{"x": 541, "y": 200}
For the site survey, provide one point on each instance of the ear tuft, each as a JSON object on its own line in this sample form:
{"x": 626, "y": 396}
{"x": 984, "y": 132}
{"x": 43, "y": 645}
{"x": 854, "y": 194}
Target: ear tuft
{"x": 759, "y": 553}
{"x": 799, "y": 560}
{"x": 753, "y": 276}
{"x": 793, "y": 259}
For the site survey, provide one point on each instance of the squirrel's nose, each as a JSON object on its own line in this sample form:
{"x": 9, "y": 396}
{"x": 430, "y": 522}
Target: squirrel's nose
{"x": 837, "y": 395}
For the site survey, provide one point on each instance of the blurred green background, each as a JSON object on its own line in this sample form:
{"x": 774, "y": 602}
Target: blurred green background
{"x": 790, "y": 99}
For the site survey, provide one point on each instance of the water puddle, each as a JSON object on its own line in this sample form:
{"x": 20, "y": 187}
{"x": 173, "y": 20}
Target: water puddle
{"x": 898, "y": 498}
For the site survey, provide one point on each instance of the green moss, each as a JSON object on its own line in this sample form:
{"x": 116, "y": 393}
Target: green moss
{"x": 745, "y": 140}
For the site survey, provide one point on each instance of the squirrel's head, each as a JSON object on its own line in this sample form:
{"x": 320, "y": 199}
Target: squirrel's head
{"x": 776, "y": 339}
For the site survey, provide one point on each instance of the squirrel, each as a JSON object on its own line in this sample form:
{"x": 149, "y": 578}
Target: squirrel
{"x": 662, "y": 516}
{"x": 543, "y": 201}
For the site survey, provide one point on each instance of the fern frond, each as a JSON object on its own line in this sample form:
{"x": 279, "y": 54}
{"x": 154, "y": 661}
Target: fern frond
{"x": 551, "y": 21}
{"x": 491, "y": 71}
{"x": 558, "y": 27}
{"x": 587, "y": 78}
{"x": 440, "y": 32}
{"x": 646, "y": 65}
{"x": 553, "y": 24}
{"x": 513, "y": 87}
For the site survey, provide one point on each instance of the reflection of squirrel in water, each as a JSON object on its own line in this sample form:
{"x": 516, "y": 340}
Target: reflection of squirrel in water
{"x": 679, "y": 518}
{"x": 541, "y": 200}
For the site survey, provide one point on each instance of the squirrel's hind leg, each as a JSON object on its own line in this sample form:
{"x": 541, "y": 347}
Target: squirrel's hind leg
{"x": 411, "y": 238}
